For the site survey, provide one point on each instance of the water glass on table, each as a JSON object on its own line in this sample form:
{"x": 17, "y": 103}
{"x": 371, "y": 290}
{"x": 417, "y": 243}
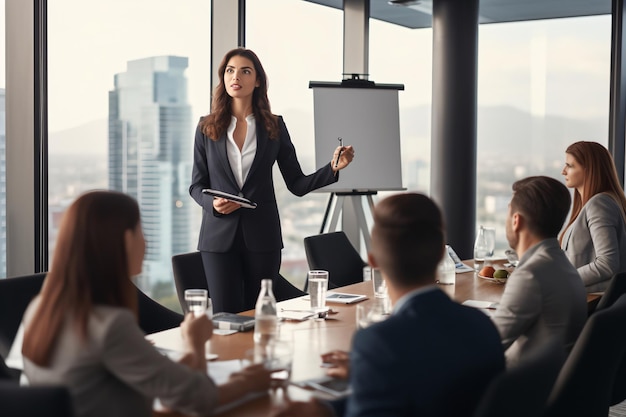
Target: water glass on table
{"x": 370, "y": 313}
{"x": 380, "y": 289}
{"x": 198, "y": 302}
{"x": 318, "y": 284}
{"x": 481, "y": 249}
{"x": 276, "y": 356}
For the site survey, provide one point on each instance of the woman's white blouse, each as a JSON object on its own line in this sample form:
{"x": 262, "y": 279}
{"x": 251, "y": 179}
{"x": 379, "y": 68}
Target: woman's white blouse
{"x": 241, "y": 161}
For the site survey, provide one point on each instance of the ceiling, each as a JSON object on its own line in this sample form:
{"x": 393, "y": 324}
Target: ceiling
{"x": 491, "y": 11}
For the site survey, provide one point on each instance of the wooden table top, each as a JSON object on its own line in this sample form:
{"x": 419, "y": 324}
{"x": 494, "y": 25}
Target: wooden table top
{"x": 311, "y": 338}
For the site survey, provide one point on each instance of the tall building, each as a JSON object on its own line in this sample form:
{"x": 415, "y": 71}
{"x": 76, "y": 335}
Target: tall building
{"x": 150, "y": 155}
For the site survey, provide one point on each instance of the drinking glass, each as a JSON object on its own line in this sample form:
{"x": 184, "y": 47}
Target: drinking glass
{"x": 481, "y": 249}
{"x": 276, "y": 356}
{"x": 367, "y": 273}
{"x": 318, "y": 284}
{"x": 198, "y": 302}
{"x": 511, "y": 256}
{"x": 367, "y": 314}
{"x": 380, "y": 289}
{"x": 490, "y": 239}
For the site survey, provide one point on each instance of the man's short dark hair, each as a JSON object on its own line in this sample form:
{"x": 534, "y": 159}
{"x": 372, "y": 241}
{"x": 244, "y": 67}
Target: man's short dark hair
{"x": 408, "y": 238}
{"x": 543, "y": 202}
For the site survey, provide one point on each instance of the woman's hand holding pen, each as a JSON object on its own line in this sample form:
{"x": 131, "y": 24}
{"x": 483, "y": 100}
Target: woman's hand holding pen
{"x": 342, "y": 157}
{"x": 224, "y": 206}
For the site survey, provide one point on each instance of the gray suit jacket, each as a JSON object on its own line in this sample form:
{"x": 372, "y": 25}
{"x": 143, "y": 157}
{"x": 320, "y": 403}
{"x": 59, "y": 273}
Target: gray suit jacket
{"x": 596, "y": 242}
{"x": 544, "y": 298}
{"x": 118, "y": 372}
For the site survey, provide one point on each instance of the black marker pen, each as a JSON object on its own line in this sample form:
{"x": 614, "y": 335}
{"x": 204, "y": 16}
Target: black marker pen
{"x": 340, "y": 151}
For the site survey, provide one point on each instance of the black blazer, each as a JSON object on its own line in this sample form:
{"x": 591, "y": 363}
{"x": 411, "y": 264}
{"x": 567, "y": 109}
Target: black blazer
{"x": 260, "y": 226}
{"x": 432, "y": 357}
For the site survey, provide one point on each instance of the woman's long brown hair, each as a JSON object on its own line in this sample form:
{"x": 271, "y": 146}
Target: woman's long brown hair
{"x": 216, "y": 123}
{"x": 600, "y": 177}
{"x": 90, "y": 267}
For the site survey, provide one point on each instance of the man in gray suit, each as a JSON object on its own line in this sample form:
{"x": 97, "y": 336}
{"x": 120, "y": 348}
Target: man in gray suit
{"x": 544, "y": 297}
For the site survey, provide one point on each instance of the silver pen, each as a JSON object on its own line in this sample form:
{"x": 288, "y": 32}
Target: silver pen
{"x": 340, "y": 151}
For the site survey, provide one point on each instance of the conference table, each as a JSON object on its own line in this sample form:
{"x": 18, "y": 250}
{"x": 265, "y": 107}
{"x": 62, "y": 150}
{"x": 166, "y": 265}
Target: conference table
{"x": 313, "y": 337}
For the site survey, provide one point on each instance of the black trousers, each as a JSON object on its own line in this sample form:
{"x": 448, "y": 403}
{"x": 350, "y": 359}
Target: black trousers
{"x": 234, "y": 277}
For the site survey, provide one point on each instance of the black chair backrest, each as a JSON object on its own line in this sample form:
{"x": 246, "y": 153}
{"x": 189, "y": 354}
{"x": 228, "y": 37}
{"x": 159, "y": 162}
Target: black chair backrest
{"x": 523, "y": 390}
{"x": 154, "y": 317}
{"x": 26, "y": 401}
{"x": 584, "y": 385}
{"x": 616, "y": 288}
{"x": 334, "y": 253}
{"x": 285, "y": 290}
{"x": 15, "y": 295}
{"x": 9, "y": 374}
{"x": 188, "y": 273}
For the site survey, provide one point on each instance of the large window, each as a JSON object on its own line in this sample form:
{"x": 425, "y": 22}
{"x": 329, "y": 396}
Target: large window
{"x": 542, "y": 85}
{"x": 128, "y": 82}
{"x": 293, "y": 53}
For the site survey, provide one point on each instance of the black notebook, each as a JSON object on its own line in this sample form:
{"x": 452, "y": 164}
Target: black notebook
{"x": 237, "y": 199}
{"x": 231, "y": 321}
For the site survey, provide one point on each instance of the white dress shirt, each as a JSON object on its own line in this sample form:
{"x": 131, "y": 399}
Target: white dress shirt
{"x": 241, "y": 161}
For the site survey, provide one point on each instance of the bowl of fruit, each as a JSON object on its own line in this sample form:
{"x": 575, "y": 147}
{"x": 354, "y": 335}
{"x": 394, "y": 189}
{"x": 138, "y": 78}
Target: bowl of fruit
{"x": 495, "y": 275}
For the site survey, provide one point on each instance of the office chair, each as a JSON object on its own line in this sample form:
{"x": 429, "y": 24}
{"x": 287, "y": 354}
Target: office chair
{"x": 9, "y": 374}
{"x": 334, "y": 253}
{"x": 189, "y": 273}
{"x": 154, "y": 317}
{"x": 616, "y": 288}
{"x": 523, "y": 390}
{"x": 15, "y": 295}
{"x": 285, "y": 290}
{"x": 25, "y": 401}
{"x": 584, "y": 385}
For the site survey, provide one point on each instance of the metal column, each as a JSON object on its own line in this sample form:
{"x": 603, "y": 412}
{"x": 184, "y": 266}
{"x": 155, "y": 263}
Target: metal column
{"x": 453, "y": 144}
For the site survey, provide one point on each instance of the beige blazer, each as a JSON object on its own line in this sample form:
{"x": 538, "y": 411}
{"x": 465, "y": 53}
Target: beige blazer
{"x": 544, "y": 298}
{"x": 596, "y": 242}
{"x": 117, "y": 372}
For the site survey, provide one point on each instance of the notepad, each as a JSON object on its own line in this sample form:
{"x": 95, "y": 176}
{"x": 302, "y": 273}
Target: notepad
{"x": 341, "y": 297}
{"x": 480, "y": 304}
{"x": 232, "y": 321}
{"x": 231, "y": 197}
{"x": 175, "y": 355}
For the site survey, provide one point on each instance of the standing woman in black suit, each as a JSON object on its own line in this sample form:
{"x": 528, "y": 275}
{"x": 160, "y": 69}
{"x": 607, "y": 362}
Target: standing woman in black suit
{"x": 235, "y": 149}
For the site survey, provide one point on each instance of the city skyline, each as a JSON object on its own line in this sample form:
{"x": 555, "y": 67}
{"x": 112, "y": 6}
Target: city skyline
{"x": 552, "y": 75}
{"x": 148, "y": 115}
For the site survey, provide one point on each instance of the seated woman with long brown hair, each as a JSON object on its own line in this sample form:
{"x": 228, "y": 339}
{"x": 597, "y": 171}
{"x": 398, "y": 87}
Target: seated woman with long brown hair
{"x": 82, "y": 330}
{"x": 594, "y": 239}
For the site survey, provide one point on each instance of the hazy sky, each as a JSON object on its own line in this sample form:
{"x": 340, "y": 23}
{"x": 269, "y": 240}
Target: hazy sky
{"x": 555, "y": 67}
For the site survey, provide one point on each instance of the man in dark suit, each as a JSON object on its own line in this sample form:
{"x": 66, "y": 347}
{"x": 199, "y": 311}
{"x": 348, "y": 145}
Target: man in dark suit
{"x": 432, "y": 356}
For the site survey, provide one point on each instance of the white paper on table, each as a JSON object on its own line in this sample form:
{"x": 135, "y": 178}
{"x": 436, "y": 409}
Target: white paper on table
{"x": 480, "y": 304}
{"x": 219, "y": 371}
{"x": 295, "y": 315}
{"x": 224, "y": 332}
{"x": 175, "y": 355}
{"x": 461, "y": 268}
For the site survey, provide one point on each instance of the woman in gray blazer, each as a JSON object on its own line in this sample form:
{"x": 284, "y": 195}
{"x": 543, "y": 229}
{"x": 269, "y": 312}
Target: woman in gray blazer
{"x": 82, "y": 331}
{"x": 594, "y": 239}
{"x": 235, "y": 150}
